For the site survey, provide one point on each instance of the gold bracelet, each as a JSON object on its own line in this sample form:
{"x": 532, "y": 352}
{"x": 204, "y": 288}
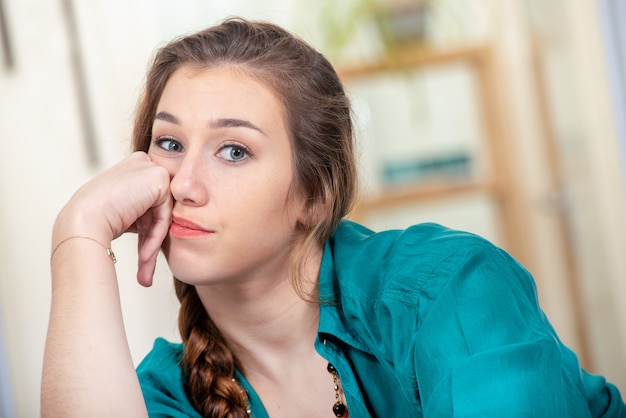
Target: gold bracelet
{"x": 107, "y": 249}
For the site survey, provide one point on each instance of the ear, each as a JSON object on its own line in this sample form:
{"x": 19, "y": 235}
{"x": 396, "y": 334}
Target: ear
{"x": 311, "y": 212}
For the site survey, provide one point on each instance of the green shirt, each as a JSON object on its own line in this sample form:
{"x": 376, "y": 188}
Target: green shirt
{"x": 425, "y": 322}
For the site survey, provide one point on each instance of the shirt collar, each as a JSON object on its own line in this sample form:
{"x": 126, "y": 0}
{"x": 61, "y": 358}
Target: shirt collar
{"x": 333, "y": 324}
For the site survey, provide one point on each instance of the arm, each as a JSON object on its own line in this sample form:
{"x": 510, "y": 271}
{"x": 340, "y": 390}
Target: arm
{"x": 493, "y": 352}
{"x": 88, "y": 369}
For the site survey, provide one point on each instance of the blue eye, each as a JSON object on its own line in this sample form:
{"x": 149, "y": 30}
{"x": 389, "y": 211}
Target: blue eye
{"x": 169, "y": 144}
{"x": 233, "y": 153}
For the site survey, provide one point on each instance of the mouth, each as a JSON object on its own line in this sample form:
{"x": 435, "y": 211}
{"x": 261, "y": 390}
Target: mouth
{"x": 184, "y": 228}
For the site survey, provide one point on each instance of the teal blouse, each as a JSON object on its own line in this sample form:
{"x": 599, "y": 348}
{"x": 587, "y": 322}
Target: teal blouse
{"x": 425, "y": 322}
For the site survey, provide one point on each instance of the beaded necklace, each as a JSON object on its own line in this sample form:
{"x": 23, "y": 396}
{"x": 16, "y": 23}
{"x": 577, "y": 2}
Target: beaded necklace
{"x": 339, "y": 408}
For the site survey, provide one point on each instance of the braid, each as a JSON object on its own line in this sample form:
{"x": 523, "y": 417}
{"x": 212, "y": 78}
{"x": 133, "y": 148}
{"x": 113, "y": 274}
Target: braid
{"x": 207, "y": 361}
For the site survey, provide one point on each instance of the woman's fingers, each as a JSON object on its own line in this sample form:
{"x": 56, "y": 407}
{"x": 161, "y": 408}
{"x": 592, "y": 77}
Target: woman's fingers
{"x": 152, "y": 229}
{"x": 147, "y": 192}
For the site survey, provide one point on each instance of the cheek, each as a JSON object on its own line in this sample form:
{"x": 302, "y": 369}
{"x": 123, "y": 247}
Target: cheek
{"x": 264, "y": 205}
{"x": 169, "y": 164}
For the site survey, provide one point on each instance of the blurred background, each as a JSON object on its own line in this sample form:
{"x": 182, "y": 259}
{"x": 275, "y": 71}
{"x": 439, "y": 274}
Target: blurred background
{"x": 506, "y": 118}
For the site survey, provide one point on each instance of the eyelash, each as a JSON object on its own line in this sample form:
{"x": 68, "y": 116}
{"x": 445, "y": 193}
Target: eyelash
{"x": 225, "y": 146}
{"x": 162, "y": 139}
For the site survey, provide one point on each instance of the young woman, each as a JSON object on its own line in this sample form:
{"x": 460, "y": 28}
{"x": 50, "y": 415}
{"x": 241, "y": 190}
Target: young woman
{"x": 243, "y": 173}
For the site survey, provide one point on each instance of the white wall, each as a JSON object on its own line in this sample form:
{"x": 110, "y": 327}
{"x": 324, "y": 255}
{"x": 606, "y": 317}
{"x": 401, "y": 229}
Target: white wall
{"x": 36, "y": 171}
{"x": 43, "y": 157}
{"x": 600, "y": 200}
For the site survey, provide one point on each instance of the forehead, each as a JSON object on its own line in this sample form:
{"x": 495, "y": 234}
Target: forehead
{"x": 224, "y": 91}
{"x": 214, "y": 80}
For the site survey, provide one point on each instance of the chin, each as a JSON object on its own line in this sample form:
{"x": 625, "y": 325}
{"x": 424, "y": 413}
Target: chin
{"x": 183, "y": 265}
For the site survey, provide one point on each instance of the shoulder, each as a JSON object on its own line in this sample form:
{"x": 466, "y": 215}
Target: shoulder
{"x": 423, "y": 256}
{"x": 162, "y": 382}
{"x": 435, "y": 241}
{"x": 164, "y": 355}
{"x": 160, "y": 369}
{"x": 440, "y": 277}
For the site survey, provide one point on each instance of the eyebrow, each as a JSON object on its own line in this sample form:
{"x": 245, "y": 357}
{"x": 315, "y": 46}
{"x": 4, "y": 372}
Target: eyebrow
{"x": 167, "y": 117}
{"x": 215, "y": 124}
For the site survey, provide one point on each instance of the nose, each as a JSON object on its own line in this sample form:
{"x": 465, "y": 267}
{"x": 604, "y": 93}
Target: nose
{"x": 189, "y": 180}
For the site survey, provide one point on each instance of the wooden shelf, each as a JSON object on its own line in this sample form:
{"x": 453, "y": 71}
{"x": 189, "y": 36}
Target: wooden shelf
{"x": 497, "y": 180}
{"x": 432, "y": 190}
{"x": 391, "y": 197}
{"x": 416, "y": 57}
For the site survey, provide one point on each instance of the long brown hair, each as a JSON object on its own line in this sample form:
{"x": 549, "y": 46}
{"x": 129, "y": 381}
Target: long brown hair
{"x": 318, "y": 115}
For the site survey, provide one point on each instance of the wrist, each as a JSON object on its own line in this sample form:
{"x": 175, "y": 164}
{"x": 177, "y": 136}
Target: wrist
{"x": 109, "y": 252}
{"x": 73, "y": 222}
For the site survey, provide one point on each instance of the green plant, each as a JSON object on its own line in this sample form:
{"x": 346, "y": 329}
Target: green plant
{"x": 373, "y": 24}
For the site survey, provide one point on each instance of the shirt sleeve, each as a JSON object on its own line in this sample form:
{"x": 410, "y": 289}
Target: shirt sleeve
{"x": 484, "y": 347}
{"x": 160, "y": 377}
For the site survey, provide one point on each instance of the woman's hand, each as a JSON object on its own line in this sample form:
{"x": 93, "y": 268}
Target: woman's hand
{"x": 133, "y": 196}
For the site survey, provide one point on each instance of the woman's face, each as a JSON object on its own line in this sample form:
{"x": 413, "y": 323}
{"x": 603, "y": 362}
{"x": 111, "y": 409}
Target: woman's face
{"x": 222, "y": 135}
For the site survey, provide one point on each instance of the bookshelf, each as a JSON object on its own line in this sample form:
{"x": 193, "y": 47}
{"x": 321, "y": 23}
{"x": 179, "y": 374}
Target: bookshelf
{"x": 495, "y": 179}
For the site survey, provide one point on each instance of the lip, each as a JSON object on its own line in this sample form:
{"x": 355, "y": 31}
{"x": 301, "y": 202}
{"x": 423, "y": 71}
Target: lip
{"x": 184, "y": 228}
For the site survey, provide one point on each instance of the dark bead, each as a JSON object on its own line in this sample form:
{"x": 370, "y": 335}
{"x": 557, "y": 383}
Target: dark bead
{"x": 331, "y": 368}
{"x": 339, "y": 409}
